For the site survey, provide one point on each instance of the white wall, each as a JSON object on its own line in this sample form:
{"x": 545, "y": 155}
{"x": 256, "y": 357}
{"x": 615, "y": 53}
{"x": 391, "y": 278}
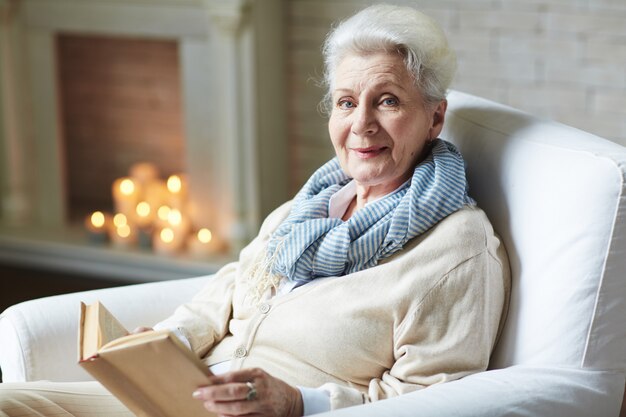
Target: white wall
{"x": 559, "y": 59}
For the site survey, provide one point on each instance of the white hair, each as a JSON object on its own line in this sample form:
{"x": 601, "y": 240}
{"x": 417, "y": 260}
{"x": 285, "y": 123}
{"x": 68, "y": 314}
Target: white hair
{"x": 394, "y": 29}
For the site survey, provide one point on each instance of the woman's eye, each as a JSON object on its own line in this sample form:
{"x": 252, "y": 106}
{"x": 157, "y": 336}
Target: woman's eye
{"x": 345, "y": 104}
{"x": 390, "y": 101}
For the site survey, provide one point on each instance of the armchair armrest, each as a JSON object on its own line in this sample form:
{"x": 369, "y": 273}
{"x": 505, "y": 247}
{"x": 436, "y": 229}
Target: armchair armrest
{"x": 39, "y": 337}
{"x": 517, "y": 391}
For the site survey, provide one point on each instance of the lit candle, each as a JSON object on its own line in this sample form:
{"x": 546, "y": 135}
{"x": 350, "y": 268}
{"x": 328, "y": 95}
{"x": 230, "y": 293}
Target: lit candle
{"x": 202, "y": 243}
{"x": 177, "y": 187}
{"x": 156, "y": 194}
{"x": 125, "y": 195}
{"x": 162, "y": 214}
{"x": 121, "y": 233}
{"x": 144, "y": 214}
{"x": 167, "y": 242}
{"x": 174, "y": 184}
{"x": 177, "y": 221}
{"x": 120, "y": 220}
{"x": 175, "y": 217}
{"x": 96, "y": 227}
{"x": 144, "y": 219}
{"x": 123, "y": 236}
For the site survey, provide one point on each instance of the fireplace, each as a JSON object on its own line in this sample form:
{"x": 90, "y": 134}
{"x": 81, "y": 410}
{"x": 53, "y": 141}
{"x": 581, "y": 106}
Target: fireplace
{"x": 120, "y": 104}
{"x": 213, "y": 98}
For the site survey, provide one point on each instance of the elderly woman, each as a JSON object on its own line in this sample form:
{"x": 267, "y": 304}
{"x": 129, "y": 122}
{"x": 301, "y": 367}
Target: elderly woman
{"x": 382, "y": 276}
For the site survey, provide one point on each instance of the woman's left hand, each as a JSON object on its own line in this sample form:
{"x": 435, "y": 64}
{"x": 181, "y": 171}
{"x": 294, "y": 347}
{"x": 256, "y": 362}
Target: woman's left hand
{"x": 233, "y": 394}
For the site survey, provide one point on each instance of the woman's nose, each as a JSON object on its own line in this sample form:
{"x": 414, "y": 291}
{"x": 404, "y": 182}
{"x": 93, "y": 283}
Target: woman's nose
{"x": 364, "y": 122}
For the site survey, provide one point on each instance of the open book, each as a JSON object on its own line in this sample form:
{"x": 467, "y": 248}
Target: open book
{"x": 152, "y": 373}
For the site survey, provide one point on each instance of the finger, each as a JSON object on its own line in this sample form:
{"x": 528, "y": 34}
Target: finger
{"x": 141, "y": 329}
{"x": 224, "y": 392}
{"x": 232, "y": 408}
{"x": 243, "y": 375}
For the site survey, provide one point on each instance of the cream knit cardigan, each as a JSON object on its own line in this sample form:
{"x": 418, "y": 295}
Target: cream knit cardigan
{"x": 428, "y": 314}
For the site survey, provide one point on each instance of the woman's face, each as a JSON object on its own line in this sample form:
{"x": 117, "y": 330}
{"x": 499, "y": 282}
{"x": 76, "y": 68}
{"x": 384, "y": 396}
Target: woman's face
{"x": 379, "y": 124}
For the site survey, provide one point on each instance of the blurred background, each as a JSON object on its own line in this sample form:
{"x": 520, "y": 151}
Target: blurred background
{"x": 223, "y": 94}
{"x": 558, "y": 59}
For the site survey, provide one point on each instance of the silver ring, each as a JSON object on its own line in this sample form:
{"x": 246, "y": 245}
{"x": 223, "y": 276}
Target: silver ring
{"x": 251, "y": 395}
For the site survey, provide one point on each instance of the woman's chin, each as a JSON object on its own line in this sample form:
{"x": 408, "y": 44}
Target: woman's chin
{"x": 368, "y": 168}
{"x": 369, "y": 177}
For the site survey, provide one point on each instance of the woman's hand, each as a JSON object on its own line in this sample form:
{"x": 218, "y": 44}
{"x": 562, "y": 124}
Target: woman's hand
{"x": 141, "y": 330}
{"x": 228, "y": 395}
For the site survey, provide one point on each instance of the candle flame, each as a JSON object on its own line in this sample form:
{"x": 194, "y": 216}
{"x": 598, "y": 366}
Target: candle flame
{"x": 120, "y": 220}
{"x": 175, "y": 217}
{"x": 97, "y": 219}
{"x": 205, "y": 235}
{"x": 174, "y": 184}
{"x": 167, "y": 235}
{"x": 163, "y": 212}
{"x": 123, "y": 230}
{"x": 127, "y": 186}
{"x": 143, "y": 209}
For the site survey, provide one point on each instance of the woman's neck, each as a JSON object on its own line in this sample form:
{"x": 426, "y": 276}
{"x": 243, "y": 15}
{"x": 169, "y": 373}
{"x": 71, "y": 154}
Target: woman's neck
{"x": 366, "y": 194}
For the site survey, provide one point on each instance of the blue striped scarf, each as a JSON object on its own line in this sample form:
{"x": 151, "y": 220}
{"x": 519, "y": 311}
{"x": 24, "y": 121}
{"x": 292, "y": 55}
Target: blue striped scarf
{"x": 309, "y": 245}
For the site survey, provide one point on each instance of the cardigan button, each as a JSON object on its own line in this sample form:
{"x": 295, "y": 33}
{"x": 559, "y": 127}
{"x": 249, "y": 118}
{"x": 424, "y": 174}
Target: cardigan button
{"x": 240, "y": 352}
{"x": 264, "y": 308}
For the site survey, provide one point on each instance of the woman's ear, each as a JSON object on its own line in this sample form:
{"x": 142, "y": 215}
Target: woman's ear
{"x": 438, "y": 117}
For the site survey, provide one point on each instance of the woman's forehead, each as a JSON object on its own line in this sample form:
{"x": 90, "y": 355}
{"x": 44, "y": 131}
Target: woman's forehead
{"x": 360, "y": 72}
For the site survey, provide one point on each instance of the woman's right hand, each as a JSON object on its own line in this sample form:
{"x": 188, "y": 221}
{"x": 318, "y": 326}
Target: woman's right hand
{"x": 229, "y": 394}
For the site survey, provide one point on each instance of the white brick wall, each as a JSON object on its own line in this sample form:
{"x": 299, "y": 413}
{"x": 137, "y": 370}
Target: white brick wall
{"x": 559, "y": 59}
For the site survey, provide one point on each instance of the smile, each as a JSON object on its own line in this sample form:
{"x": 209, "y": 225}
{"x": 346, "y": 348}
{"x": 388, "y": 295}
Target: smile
{"x": 369, "y": 152}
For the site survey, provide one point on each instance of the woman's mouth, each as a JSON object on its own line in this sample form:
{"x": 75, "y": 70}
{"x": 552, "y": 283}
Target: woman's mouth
{"x": 369, "y": 152}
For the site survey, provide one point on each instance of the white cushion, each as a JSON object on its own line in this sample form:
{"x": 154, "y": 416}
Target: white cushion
{"x": 38, "y": 338}
{"x": 518, "y": 391}
{"x": 556, "y": 195}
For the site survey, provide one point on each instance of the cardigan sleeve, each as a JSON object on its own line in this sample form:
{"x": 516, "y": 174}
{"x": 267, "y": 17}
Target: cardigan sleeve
{"x": 449, "y": 334}
{"x": 203, "y": 321}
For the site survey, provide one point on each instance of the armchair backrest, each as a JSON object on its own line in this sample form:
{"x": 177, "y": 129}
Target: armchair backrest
{"x": 556, "y": 196}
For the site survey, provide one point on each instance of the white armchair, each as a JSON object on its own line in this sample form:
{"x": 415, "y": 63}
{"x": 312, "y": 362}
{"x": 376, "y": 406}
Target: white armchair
{"x": 555, "y": 195}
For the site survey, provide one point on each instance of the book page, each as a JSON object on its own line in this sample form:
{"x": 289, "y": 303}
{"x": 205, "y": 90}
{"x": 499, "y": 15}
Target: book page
{"x": 110, "y": 327}
{"x": 134, "y": 339}
{"x": 97, "y": 327}
{"x": 87, "y": 332}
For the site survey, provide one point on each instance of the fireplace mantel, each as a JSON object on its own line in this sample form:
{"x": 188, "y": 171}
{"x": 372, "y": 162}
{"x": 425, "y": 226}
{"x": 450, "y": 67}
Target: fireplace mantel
{"x": 67, "y": 252}
{"x": 233, "y": 100}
